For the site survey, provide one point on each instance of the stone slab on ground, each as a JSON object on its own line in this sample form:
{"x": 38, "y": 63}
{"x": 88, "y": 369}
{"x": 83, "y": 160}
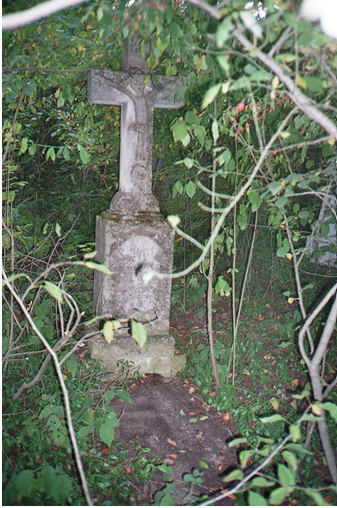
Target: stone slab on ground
{"x": 160, "y": 413}
{"x": 156, "y": 356}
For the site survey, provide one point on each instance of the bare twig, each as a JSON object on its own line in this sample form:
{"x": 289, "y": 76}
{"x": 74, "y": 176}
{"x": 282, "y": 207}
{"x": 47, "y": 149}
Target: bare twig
{"x": 43, "y": 10}
{"x": 63, "y": 387}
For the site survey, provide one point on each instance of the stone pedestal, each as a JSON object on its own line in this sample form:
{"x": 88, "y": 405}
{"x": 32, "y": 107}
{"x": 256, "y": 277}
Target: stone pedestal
{"x": 157, "y": 355}
{"x": 130, "y": 244}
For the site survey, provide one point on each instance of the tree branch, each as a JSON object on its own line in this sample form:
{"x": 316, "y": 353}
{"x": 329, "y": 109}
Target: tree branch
{"x": 37, "y": 12}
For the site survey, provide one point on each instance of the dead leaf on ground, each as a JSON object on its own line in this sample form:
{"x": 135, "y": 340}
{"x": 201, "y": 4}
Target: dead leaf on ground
{"x": 226, "y": 417}
{"x": 171, "y": 442}
{"x": 191, "y": 390}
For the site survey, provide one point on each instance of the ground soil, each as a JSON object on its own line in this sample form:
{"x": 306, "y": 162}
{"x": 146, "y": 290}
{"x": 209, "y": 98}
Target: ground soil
{"x": 169, "y": 417}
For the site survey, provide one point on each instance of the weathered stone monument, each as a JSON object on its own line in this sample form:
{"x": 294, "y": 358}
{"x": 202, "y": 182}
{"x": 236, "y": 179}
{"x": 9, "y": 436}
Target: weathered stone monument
{"x": 132, "y": 236}
{"x": 325, "y": 247}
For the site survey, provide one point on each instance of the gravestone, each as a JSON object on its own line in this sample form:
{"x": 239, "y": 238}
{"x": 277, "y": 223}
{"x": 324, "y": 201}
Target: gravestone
{"x": 132, "y": 236}
{"x": 323, "y": 248}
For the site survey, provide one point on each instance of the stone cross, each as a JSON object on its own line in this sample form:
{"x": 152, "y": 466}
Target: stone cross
{"x": 137, "y": 99}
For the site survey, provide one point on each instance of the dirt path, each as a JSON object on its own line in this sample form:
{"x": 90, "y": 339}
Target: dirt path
{"x": 175, "y": 425}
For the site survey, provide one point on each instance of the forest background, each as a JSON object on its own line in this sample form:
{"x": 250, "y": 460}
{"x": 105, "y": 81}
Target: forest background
{"x": 246, "y": 166}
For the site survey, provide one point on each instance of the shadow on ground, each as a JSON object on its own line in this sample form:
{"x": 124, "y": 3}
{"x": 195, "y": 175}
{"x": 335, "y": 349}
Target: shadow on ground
{"x": 165, "y": 417}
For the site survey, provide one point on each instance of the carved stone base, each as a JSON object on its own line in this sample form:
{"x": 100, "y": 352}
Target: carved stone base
{"x": 156, "y": 356}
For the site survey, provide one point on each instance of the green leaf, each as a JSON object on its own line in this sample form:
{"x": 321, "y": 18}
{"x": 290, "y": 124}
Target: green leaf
{"x": 96, "y": 266}
{"x": 245, "y": 455}
{"x": 179, "y": 131}
{"x": 222, "y": 31}
{"x": 210, "y": 95}
{"x": 124, "y": 395}
{"x": 203, "y": 464}
{"x": 278, "y": 495}
{"x": 83, "y": 155}
{"x": 286, "y": 57}
{"x": 188, "y": 163}
{"x": 17, "y": 276}
{"x": 107, "y": 429}
{"x": 272, "y": 419}
{"x": 295, "y": 432}
{"x": 108, "y": 331}
{"x": 298, "y": 448}
{"x": 165, "y": 469}
{"x": 17, "y": 126}
{"x": 65, "y": 153}
{"x": 21, "y": 484}
{"x": 255, "y": 200}
{"x": 237, "y": 441}
{"x": 32, "y": 149}
{"x": 190, "y": 189}
{"x": 50, "y": 153}
{"x": 259, "y": 481}
{"x": 281, "y": 201}
{"x": 53, "y": 290}
{"x": 282, "y": 252}
{"x": 58, "y": 229}
{"x": 23, "y": 146}
{"x": 317, "y": 497}
{"x": 332, "y": 408}
{"x": 255, "y": 499}
{"x": 222, "y": 287}
{"x": 327, "y": 150}
{"x": 290, "y": 458}
{"x": 46, "y": 411}
{"x": 174, "y": 30}
{"x": 285, "y": 475}
{"x": 90, "y": 255}
{"x": 215, "y": 131}
{"x": 56, "y": 484}
{"x": 237, "y": 474}
{"x": 53, "y": 423}
{"x": 138, "y": 332}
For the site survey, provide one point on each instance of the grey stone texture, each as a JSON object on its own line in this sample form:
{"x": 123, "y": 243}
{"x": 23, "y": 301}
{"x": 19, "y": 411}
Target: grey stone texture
{"x": 129, "y": 245}
{"x": 137, "y": 100}
{"x": 157, "y": 355}
{"x": 132, "y": 236}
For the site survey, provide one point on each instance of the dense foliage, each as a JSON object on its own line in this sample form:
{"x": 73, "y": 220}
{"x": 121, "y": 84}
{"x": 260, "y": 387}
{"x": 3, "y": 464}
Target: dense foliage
{"x": 246, "y": 165}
